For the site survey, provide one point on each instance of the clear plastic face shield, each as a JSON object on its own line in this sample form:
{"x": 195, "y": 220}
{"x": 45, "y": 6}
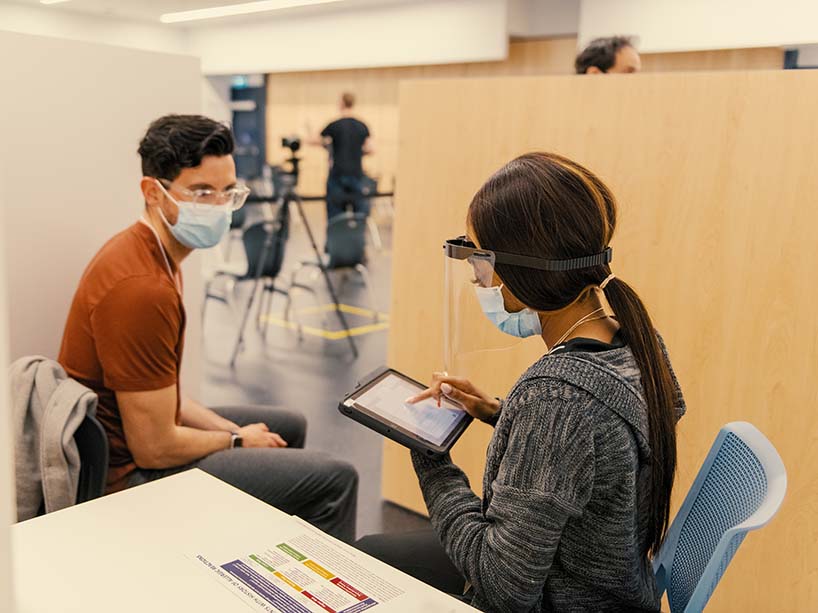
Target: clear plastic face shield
{"x": 470, "y": 338}
{"x": 479, "y": 334}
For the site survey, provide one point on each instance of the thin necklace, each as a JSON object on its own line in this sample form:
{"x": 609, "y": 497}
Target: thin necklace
{"x": 584, "y": 320}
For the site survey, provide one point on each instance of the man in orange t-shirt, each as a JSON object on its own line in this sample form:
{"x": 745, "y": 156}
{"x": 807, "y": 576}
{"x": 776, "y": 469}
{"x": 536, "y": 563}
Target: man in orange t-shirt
{"x": 125, "y": 333}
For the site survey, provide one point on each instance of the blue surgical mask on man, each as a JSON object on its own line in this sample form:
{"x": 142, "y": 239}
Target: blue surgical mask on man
{"x": 522, "y": 324}
{"x": 198, "y": 226}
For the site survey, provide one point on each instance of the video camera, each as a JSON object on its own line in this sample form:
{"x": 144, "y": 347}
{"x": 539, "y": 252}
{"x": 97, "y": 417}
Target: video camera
{"x": 290, "y": 177}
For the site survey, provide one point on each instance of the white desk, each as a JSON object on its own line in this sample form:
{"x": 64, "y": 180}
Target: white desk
{"x": 137, "y": 551}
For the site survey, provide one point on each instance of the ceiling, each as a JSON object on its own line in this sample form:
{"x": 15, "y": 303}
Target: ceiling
{"x": 150, "y": 10}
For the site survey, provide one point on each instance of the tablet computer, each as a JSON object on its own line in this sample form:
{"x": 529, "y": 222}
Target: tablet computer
{"x": 379, "y": 403}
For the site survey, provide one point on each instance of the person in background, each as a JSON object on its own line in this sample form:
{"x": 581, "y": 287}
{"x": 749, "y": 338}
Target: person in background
{"x": 348, "y": 140}
{"x": 581, "y": 463}
{"x": 126, "y": 329}
{"x": 609, "y": 56}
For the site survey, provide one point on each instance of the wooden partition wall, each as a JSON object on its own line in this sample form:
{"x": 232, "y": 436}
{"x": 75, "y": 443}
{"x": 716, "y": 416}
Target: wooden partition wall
{"x": 302, "y": 102}
{"x": 717, "y": 180}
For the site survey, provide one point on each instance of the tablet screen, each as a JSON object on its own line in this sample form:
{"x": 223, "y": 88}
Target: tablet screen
{"x": 387, "y": 398}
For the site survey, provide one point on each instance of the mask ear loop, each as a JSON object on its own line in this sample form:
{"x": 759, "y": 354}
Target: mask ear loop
{"x": 604, "y": 298}
{"x": 167, "y": 193}
{"x": 169, "y": 197}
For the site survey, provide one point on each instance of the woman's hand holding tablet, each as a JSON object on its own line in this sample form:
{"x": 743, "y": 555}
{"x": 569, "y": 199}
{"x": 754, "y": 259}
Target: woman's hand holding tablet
{"x": 462, "y": 393}
{"x": 380, "y": 403}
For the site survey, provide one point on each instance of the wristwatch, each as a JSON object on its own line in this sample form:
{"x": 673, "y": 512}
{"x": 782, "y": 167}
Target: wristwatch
{"x": 235, "y": 440}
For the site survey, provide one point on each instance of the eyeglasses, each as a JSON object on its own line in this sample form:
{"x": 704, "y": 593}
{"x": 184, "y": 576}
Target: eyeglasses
{"x": 234, "y": 198}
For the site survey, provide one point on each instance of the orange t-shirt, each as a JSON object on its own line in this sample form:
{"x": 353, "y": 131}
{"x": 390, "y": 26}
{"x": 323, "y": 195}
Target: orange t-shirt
{"x": 125, "y": 332}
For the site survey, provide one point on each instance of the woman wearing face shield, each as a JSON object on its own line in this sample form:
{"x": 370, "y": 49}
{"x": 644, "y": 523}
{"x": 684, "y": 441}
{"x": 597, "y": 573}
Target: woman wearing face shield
{"x": 580, "y": 467}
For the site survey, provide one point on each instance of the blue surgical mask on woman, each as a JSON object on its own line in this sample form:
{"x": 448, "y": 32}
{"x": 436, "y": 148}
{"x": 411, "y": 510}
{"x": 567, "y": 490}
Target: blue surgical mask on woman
{"x": 521, "y": 324}
{"x": 198, "y": 226}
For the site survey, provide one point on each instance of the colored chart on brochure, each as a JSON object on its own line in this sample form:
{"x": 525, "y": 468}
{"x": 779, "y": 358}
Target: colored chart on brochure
{"x": 304, "y": 574}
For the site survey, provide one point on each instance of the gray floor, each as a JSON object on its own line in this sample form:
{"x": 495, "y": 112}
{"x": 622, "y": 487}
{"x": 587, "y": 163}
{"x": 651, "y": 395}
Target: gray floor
{"x": 313, "y": 374}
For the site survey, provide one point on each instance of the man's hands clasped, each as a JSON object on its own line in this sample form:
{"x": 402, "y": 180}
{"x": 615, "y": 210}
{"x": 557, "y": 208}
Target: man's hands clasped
{"x": 259, "y": 435}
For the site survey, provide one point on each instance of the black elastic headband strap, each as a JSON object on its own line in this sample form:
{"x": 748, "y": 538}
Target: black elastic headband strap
{"x": 461, "y": 248}
{"x": 587, "y": 261}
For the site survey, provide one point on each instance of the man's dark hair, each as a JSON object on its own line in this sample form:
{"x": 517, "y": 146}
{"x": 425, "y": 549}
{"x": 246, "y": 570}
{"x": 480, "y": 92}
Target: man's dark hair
{"x": 175, "y": 142}
{"x": 601, "y": 52}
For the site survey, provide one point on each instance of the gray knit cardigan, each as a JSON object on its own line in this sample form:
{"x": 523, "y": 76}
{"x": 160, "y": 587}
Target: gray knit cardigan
{"x": 563, "y": 518}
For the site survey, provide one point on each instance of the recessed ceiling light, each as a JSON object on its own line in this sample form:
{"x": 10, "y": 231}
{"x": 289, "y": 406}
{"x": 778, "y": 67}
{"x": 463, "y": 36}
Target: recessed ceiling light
{"x": 229, "y": 10}
{"x": 52, "y": 1}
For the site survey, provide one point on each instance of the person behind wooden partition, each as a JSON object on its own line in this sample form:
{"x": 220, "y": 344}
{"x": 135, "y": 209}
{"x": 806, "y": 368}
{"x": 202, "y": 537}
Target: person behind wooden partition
{"x": 609, "y": 56}
{"x": 348, "y": 140}
{"x": 581, "y": 464}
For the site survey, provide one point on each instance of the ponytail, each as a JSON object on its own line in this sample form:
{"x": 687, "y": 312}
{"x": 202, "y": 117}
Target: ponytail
{"x": 657, "y": 381}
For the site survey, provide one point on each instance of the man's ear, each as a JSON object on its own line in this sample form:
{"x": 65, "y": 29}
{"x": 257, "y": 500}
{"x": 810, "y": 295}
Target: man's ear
{"x": 593, "y": 70}
{"x": 150, "y": 191}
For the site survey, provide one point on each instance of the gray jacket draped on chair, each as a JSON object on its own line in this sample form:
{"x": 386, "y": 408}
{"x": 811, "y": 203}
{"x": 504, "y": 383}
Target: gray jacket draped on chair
{"x": 47, "y": 409}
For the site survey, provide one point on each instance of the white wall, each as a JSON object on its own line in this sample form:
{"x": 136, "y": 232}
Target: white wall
{"x": 542, "y": 18}
{"x": 689, "y": 25}
{"x": 412, "y": 32}
{"x": 428, "y": 32}
{"x": 216, "y": 98}
{"x": 47, "y": 21}
{"x": 8, "y": 512}
{"x": 74, "y": 113}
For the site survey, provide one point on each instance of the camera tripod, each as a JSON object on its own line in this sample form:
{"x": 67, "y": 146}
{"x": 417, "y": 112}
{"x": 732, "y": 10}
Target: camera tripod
{"x": 288, "y": 195}
{"x": 291, "y": 196}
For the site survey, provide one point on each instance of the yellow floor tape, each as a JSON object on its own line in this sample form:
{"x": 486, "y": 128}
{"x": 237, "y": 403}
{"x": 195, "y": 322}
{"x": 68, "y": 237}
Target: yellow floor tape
{"x": 346, "y": 308}
{"x": 334, "y": 335}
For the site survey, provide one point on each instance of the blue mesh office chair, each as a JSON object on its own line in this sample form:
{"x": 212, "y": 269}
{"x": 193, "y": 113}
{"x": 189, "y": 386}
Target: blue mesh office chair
{"x": 739, "y": 488}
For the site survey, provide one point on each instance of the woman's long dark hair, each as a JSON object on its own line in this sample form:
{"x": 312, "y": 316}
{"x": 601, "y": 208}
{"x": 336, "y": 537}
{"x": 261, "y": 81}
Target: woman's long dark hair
{"x": 545, "y": 205}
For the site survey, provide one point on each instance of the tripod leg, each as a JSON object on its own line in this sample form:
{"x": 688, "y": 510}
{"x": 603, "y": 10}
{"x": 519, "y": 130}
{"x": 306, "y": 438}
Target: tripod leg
{"x": 320, "y": 261}
{"x": 267, "y": 311}
{"x": 262, "y": 310}
{"x": 245, "y": 315}
{"x": 288, "y": 305}
{"x": 263, "y": 305}
{"x": 257, "y": 279}
{"x": 260, "y": 306}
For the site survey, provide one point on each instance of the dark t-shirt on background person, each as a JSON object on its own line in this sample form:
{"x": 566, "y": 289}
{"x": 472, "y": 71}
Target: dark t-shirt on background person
{"x": 348, "y": 137}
